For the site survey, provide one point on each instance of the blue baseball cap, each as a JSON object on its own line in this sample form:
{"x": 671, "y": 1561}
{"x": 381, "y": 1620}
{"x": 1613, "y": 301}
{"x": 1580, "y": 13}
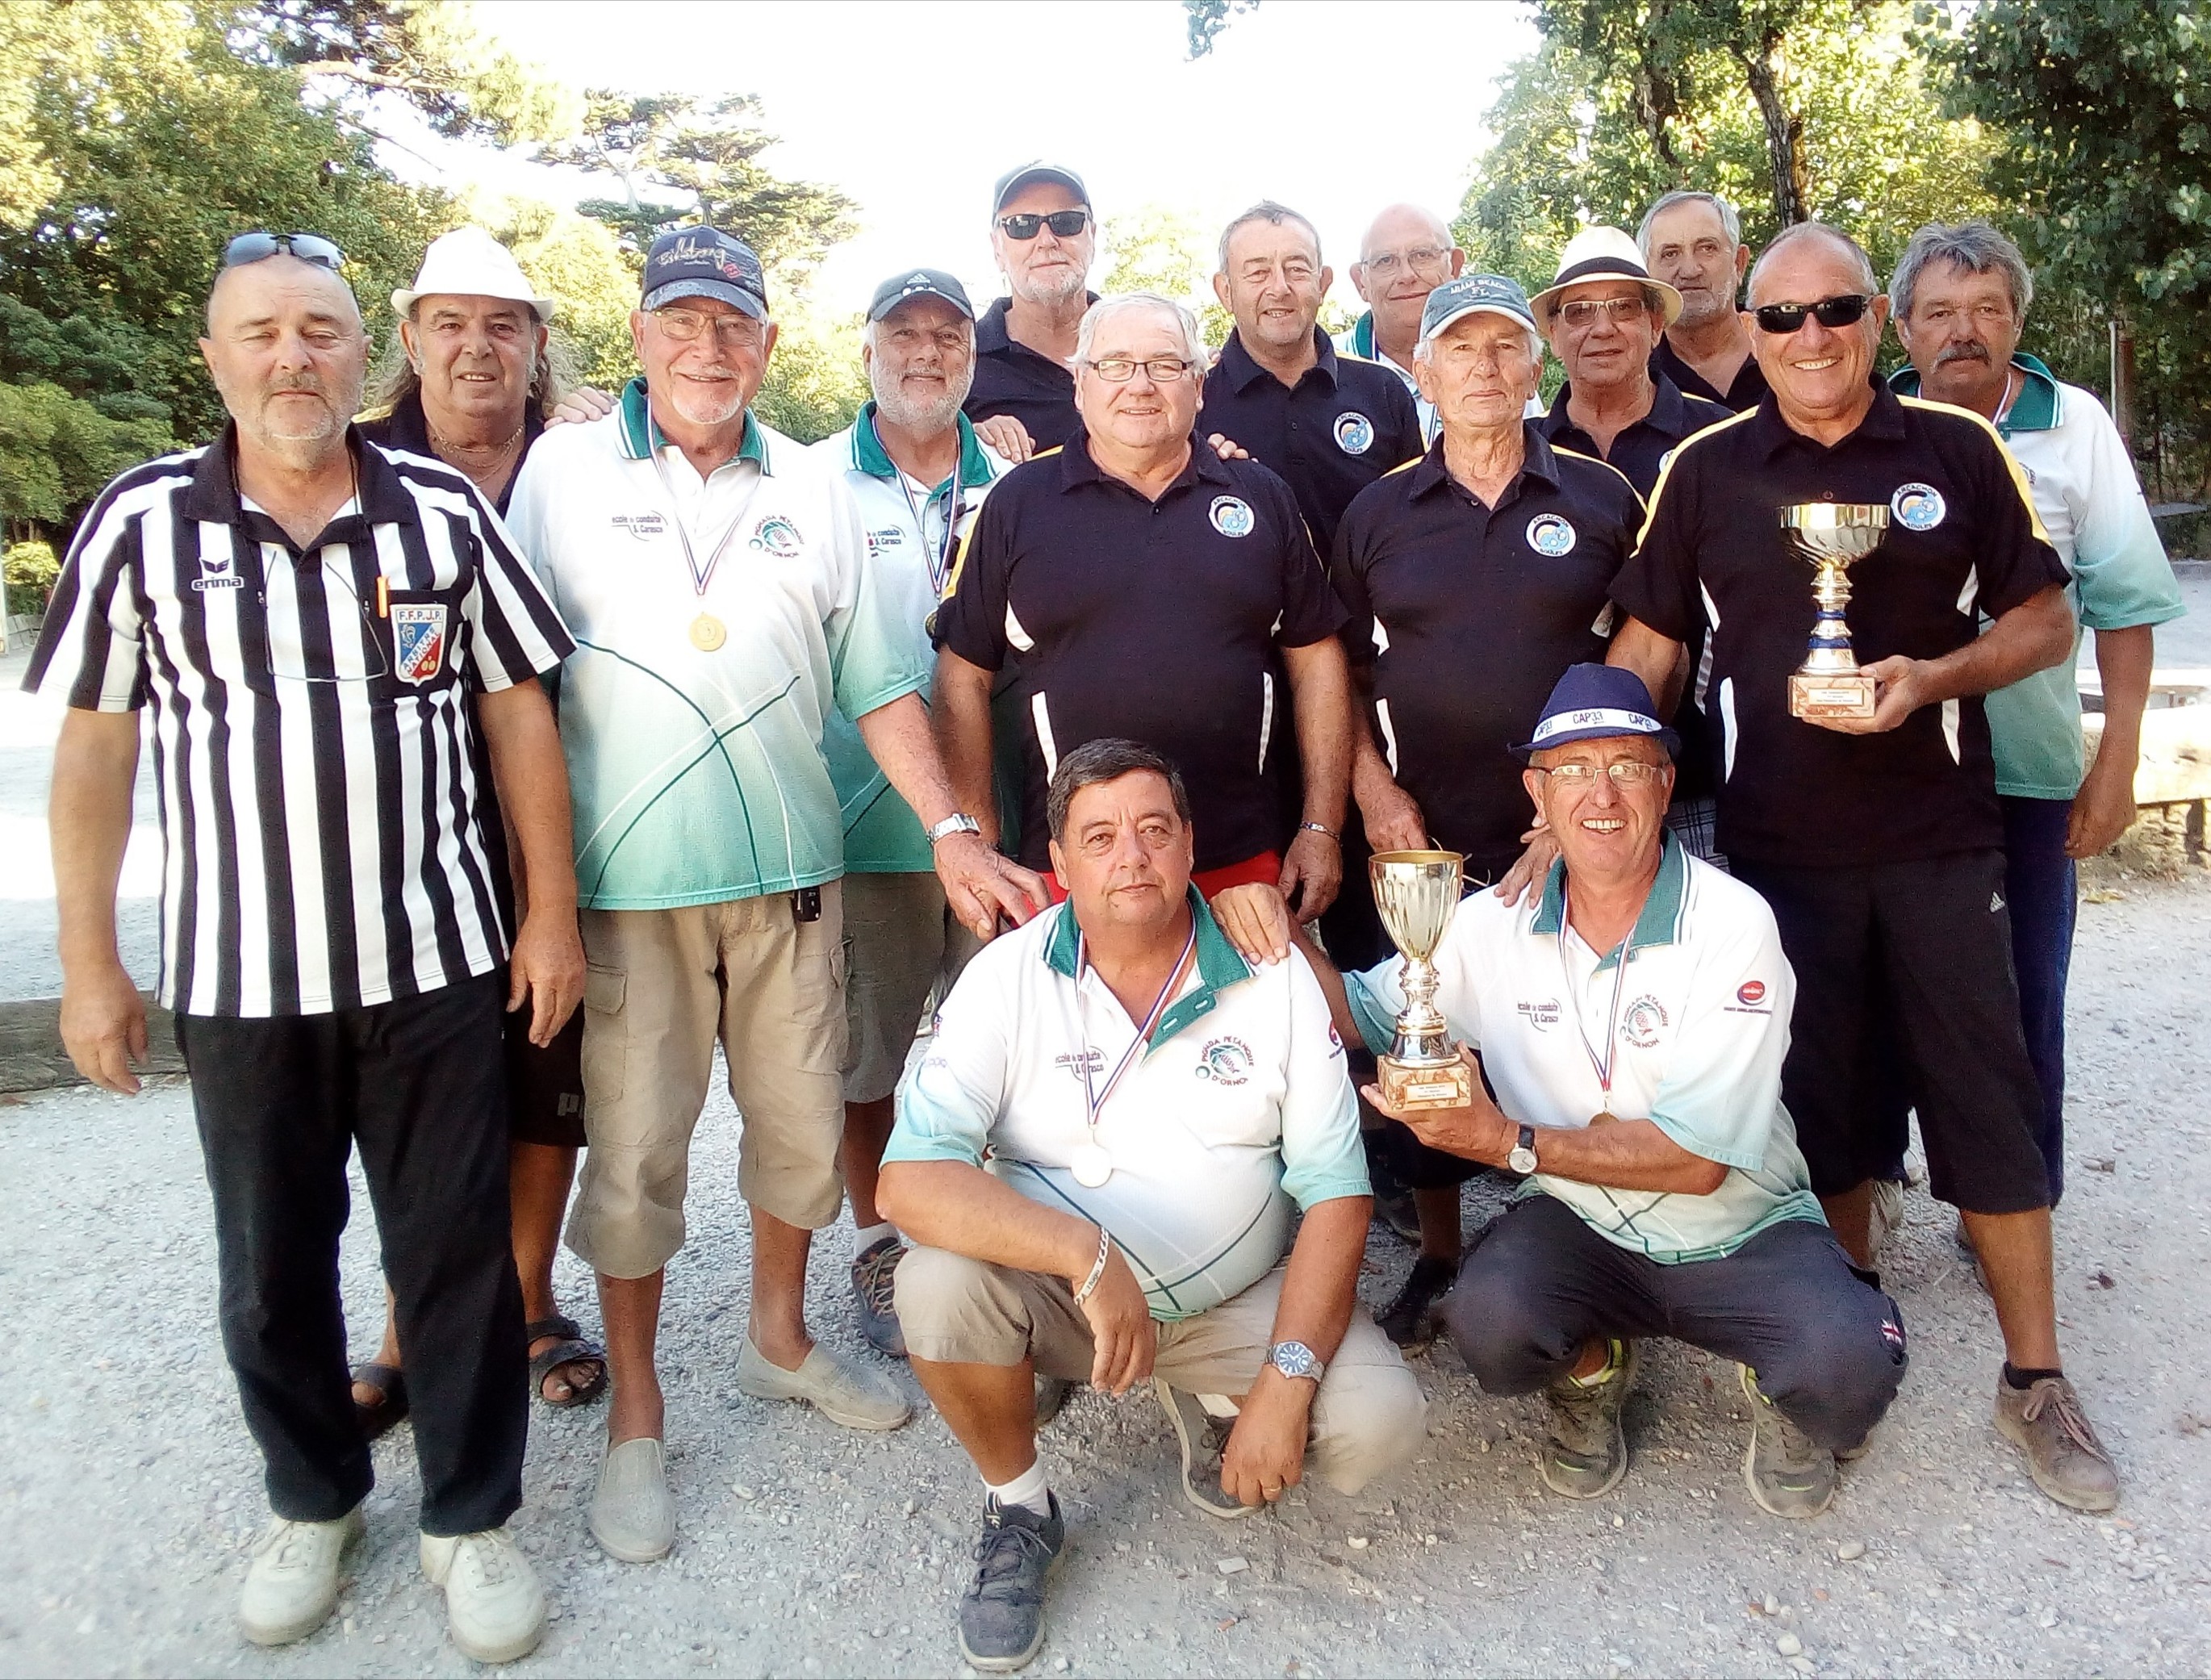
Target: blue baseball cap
{"x": 1474, "y": 294}
{"x": 704, "y": 262}
{"x": 1591, "y": 702}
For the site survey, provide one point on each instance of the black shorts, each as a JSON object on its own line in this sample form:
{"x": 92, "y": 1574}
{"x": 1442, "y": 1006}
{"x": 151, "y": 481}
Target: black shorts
{"x": 1907, "y": 967}
{"x": 545, "y": 1084}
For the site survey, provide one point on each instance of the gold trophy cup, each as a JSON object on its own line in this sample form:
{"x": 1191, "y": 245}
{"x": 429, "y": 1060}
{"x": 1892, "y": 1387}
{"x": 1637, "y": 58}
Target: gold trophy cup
{"x": 1833, "y": 535}
{"x": 1415, "y": 893}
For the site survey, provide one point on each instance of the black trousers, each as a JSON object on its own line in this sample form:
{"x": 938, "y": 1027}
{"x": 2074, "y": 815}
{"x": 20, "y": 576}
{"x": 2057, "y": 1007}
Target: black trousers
{"x": 1540, "y": 1285}
{"x": 419, "y": 1085}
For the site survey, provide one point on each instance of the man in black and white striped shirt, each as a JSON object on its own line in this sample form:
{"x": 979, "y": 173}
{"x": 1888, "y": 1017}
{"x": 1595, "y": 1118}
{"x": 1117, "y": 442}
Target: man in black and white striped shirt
{"x": 307, "y": 617}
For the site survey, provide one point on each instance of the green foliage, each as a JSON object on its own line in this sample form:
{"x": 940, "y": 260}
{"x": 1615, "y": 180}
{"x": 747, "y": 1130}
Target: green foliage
{"x": 580, "y": 265}
{"x": 2104, "y": 110}
{"x": 815, "y": 383}
{"x": 29, "y": 570}
{"x": 57, "y": 451}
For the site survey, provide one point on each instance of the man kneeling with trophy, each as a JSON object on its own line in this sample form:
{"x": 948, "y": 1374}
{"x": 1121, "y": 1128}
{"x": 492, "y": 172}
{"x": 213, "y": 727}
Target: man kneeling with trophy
{"x": 1631, "y": 1020}
{"x": 1150, "y": 1108}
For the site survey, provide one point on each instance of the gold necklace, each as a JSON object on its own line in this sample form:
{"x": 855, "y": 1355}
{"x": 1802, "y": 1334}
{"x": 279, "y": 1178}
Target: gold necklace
{"x": 493, "y": 470}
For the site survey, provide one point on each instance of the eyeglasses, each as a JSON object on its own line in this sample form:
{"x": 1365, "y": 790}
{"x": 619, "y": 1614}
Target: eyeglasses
{"x": 293, "y": 660}
{"x": 683, "y": 325}
{"x": 1025, "y": 225}
{"x": 1781, "y": 318}
{"x": 1625, "y": 773}
{"x": 259, "y": 247}
{"x": 1422, "y": 260}
{"x": 1119, "y": 370}
{"x": 1580, "y": 313}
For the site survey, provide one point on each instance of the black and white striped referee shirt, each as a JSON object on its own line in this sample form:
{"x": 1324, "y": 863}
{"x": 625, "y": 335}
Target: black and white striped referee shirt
{"x": 311, "y": 742}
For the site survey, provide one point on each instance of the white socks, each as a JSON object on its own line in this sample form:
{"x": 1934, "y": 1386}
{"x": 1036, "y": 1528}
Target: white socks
{"x": 865, "y": 1237}
{"x": 1029, "y": 1489}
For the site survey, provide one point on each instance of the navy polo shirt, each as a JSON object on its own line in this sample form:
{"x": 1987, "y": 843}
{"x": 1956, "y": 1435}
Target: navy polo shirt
{"x": 1156, "y": 620}
{"x": 1963, "y": 540}
{"x": 1343, "y": 425}
{"x": 1749, "y": 379}
{"x": 1463, "y": 618}
{"x": 1012, "y": 378}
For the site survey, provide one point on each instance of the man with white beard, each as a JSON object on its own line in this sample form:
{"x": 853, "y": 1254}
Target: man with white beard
{"x": 919, "y": 473}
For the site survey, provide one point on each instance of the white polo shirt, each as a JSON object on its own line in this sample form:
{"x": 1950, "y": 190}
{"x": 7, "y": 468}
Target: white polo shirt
{"x": 1239, "y": 1106}
{"x": 698, "y": 773}
{"x": 913, "y": 532}
{"x": 1701, "y": 1028}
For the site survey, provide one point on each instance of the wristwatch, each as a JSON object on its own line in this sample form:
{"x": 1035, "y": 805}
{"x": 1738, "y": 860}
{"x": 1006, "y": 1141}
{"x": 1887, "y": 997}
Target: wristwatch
{"x": 958, "y": 823}
{"x": 1522, "y": 1158}
{"x": 1295, "y": 1359}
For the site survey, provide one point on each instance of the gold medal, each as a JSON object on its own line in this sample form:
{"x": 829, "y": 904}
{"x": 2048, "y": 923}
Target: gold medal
{"x": 708, "y": 633}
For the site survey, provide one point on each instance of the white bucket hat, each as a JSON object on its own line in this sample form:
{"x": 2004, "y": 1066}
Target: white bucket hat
{"x": 1603, "y": 253}
{"x": 469, "y": 262}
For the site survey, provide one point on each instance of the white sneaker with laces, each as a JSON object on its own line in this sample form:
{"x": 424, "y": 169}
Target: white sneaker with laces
{"x": 292, "y": 1584}
{"x": 494, "y": 1605}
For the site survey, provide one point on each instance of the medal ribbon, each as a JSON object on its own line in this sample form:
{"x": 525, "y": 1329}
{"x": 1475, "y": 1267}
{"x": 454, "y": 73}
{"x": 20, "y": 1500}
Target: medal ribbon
{"x": 939, "y": 553}
{"x": 699, "y": 578}
{"x": 1094, "y": 1097}
{"x": 1602, "y": 1064}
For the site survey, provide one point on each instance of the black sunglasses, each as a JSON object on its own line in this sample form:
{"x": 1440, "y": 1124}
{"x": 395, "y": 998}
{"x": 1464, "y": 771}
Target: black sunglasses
{"x": 1781, "y": 318}
{"x": 1065, "y": 223}
{"x": 259, "y": 247}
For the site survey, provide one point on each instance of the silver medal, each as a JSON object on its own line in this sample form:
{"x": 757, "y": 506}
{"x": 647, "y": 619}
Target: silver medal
{"x": 1091, "y": 1164}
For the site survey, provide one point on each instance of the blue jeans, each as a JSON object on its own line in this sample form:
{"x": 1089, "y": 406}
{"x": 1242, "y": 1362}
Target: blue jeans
{"x": 2043, "y": 887}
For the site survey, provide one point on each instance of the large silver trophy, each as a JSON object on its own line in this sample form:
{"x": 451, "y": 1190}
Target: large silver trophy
{"x": 1833, "y": 535}
{"x": 1415, "y": 893}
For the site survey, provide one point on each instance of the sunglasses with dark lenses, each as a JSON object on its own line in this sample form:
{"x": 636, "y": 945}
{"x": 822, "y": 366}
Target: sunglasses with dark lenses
{"x": 1780, "y": 319}
{"x": 258, "y": 247}
{"x": 1065, "y": 223}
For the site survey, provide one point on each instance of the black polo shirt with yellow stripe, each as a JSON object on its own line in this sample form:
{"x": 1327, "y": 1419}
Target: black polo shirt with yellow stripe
{"x": 1155, "y": 621}
{"x": 1463, "y": 617}
{"x": 1963, "y": 539}
{"x": 1340, "y": 427}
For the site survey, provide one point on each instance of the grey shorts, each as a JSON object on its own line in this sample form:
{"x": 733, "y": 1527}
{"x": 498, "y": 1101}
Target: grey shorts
{"x": 903, "y": 946}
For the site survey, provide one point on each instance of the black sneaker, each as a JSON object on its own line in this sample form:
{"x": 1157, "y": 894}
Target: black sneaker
{"x": 875, "y": 1297}
{"x": 1410, "y": 1320}
{"x": 1203, "y": 1438}
{"x": 1002, "y": 1615}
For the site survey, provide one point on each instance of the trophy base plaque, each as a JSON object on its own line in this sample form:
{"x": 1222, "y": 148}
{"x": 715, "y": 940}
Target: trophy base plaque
{"x": 1414, "y": 1085}
{"x": 1844, "y": 695}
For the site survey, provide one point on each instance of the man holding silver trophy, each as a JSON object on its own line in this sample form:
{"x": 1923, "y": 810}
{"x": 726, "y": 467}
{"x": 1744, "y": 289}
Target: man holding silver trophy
{"x": 1632, "y": 1017}
{"x": 1860, "y": 800}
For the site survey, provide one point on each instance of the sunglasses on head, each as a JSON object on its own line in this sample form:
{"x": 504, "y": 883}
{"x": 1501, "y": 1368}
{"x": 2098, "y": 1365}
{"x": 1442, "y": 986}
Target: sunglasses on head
{"x": 1780, "y": 319}
{"x": 259, "y": 247}
{"x": 1024, "y": 225}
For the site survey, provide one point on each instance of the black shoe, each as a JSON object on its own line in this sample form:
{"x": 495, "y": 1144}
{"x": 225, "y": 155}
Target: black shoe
{"x": 1410, "y": 1320}
{"x": 1393, "y": 1202}
{"x": 1002, "y": 1615}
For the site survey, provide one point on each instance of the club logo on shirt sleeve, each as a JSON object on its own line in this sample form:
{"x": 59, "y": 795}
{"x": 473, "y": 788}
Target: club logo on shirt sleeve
{"x": 1354, "y": 433}
{"x": 1918, "y": 507}
{"x": 1551, "y": 535}
{"x": 418, "y": 639}
{"x": 1752, "y": 998}
{"x": 1231, "y": 516}
{"x": 1225, "y": 1061}
{"x": 777, "y": 536}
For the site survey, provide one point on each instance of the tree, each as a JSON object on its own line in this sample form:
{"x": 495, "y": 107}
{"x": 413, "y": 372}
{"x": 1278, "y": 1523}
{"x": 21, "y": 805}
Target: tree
{"x": 2103, "y": 108}
{"x": 57, "y": 451}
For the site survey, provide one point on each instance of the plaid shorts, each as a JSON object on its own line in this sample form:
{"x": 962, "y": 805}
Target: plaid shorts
{"x": 1695, "y": 823}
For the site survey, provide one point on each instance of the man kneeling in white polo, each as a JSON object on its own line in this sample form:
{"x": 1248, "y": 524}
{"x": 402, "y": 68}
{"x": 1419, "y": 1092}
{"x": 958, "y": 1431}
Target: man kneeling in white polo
{"x": 1631, "y": 1019}
{"x": 1151, "y": 1106}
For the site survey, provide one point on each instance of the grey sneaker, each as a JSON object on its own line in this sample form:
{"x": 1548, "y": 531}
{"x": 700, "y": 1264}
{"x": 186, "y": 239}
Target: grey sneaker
{"x": 1585, "y": 1451}
{"x": 874, "y": 1298}
{"x": 1787, "y": 1473}
{"x": 1002, "y": 1615}
{"x": 2063, "y": 1456}
{"x": 1203, "y": 1438}
{"x": 1884, "y": 1216}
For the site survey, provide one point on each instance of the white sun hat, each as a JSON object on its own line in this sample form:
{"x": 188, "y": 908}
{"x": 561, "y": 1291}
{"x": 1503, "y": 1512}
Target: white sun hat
{"x": 469, "y": 262}
{"x": 1603, "y": 253}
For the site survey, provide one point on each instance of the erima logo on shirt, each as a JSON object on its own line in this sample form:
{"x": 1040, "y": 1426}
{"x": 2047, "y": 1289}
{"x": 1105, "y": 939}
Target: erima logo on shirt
{"x": 1231, "y": 516}
{"x": 1645, "y": 1019}
{"x": 1918, "y": 507}
{"x": 216, "y": 572}
{"x": 1354, "y": 433}
{"x": 643, "y": 527}
{"x": 418, "y": 641}
{"x": 1550, "y": 534}
{"x": 777, "y": 536}
{"x": 1225, "y": 1061}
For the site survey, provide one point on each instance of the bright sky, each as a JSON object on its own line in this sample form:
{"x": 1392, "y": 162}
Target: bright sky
{"x": 913, "y": 110}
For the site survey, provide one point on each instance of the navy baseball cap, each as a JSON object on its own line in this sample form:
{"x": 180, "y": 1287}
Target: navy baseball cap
{"x": 1593, "y": 701}
{"x": 704, "y": 262}
{"x": 918, "y": 283}
{"x": 1474, "y": 294}
{"x": 1014, "y": 179}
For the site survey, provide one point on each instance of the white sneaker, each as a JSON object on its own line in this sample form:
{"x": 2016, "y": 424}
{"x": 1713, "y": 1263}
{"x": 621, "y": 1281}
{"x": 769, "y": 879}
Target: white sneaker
{"x": 494, "y": 1605}
{"x": 292, "y": 1584}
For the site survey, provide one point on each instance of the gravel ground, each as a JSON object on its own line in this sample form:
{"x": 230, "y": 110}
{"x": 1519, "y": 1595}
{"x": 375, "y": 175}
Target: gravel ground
{"x": 129, "y": 1490}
